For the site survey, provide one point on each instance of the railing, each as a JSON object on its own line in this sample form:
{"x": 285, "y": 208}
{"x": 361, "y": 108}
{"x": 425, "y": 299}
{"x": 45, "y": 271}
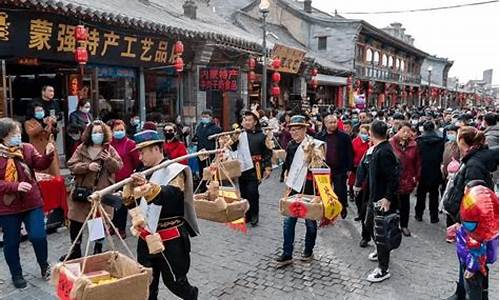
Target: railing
{"x": 372, "y": 72}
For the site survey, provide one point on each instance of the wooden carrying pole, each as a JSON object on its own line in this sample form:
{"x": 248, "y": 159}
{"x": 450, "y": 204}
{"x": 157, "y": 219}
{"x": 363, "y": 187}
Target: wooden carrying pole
{"x": 213, "y": 136}
{"x": 110, "y": 189}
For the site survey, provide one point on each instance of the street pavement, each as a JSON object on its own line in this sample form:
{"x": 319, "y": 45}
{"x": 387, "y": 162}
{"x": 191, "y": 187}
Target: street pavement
{"x": 230, "y": 265}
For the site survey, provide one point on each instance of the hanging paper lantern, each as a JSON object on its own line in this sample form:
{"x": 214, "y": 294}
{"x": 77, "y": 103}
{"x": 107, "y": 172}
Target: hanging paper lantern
{"x": 81, "y": 55}
{"x": 179, "y": 47}
{"x": 276, "y": 63}
{"x": 251, "y": 63}
{"x": 275, "y": 91}
{"x": 276, "y": 77}
{"x": 314, "y": 72}
{"x": 179, "y": 64}
{"x": 251, "y": 76}
{"x": 314, "y": 83}
{"x": 81, "y": 33}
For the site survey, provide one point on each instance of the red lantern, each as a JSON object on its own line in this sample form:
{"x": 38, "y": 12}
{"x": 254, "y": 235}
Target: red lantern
{"x": 276, "y": 77}
{"x": 81, "y": 55}
{"x": 314, "y": 83}
{"x": 275, "y": 91}
{"x": 179, "y": 64}
{"x": 251, "y": 76}
{"x": 314, "y": 72}
{"x": 179, "y": 47}
{"x": 251, "y": 63}
{"x": 276, "y": 63}
{"x": 81, "y": 33}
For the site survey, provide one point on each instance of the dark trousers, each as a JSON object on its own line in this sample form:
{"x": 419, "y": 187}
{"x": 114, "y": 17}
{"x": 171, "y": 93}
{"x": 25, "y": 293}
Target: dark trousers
{"x": 249, "y": 189}
{"x": 177, "y": 253}
{"x": 404, "y": 209}
{"x": 383, "y": 253}
{"x": 11, "y": 227}
{"x": 476, "y": 287}
{"x": 289, "y": 235}
{"x": 367, "y": 220}
{"x": 340, "y": 188}
{"x": 120, "y": 218}
{"x": 203, "y": 184}
{"x": 74, "y": 229}
{"x": 422, "y": 190}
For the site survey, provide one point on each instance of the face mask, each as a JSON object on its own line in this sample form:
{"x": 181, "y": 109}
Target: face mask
{"x": 15, "y": 141}
{"x": 355, "y": 121}
{"x": 169, "y": 135}
{"x": 134, "y": 122}
{"x": 39, "y": 115}
{"x": 119, "y": 134}
{"x": 97, "y": 138}
{"x": 364, "y": 137}
{"x": 414, "y": 122}
{"x": 86, "y": 110}
{"x": 451, "y": 137}
{"x": 421, "y": 128}
{"x": 205, "y": 120}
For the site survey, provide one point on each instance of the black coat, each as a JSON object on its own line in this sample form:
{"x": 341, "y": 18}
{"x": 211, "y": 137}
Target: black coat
{"x": 383, "y": 174}
{"x": 257, "y": 145}
{"x": 291, "y": 149}
{"x": 431, "y": 148}
{"x": 344, "y": 154}
{"x": 203, "y": 131}
{"x": 476, "y": 165}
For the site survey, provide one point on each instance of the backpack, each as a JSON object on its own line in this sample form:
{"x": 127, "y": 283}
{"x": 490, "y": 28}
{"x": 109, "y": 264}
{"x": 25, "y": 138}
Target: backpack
{"x": 387, "y": 231}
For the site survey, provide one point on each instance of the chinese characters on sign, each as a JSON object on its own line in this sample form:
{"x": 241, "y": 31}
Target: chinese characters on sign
{"x": 291, "y": 59}
{"x": 47, "y": 36}
{"x": 219, "y": 79}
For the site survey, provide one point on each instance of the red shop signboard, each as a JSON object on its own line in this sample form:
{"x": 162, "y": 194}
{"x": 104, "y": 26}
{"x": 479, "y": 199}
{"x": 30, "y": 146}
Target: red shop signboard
{"x": 219, "y": 79}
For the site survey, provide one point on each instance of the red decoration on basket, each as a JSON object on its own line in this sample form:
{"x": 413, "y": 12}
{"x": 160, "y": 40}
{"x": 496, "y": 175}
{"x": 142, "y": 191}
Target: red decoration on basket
{"x": 81, "y": 55}
{"x": 298, "y": 209}
{"x": 275, "y": 91}
{"x": 179, "y": 47}
{"x": 238, "y": 225}
{"x": 81, "y": 33}
{"x": 64, "y": 287}
{"x": 179, "y": 64}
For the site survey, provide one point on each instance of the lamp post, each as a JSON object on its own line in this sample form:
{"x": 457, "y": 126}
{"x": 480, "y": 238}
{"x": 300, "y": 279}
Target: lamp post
{"x": 429, "y": 69}
{"x": 264, "y": 10}
{"x": 456, "y": 92}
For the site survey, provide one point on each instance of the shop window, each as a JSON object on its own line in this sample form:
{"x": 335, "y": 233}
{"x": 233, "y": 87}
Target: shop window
{"x": 369, "y": 55}
{"x": 384, "y": 60}
{"x": 161, "y": 95}
{"x": 322, "y": 42}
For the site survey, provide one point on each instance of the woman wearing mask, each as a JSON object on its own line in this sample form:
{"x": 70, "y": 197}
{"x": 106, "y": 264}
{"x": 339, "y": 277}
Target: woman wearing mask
{"x": 78, "y": 121}
{"x": 360, "y": 145}
{"x": 130, "y": 158}
{"x": 20, "y": 198}
{"x": 135, "y": 126}
{"x": 405, "y": 148}
{"x": 477, "y": 164}
{"x": 94, "y": 165}
{"x": 172, "y": 147}
{"x": 450, "y": 153}
{"x": 41, "y": 133}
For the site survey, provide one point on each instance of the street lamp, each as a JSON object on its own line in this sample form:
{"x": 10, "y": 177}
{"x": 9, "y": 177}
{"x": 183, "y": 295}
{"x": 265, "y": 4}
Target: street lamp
{"x": 264, "y": 10}
{"x": 429, "y": 69}
{"x": 456, "y": 91}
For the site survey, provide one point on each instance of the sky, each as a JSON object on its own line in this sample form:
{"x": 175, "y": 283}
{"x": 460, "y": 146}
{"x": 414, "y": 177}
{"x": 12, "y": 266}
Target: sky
{"x": 470, "y": 36}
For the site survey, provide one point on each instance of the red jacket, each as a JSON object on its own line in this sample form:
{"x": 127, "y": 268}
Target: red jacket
{"x": 175, "y": 149}
{"x": 23, "y": 201}
{"x": 360, "y": 149}
{"x": 409, "y": 161}
{"x": 130, "y": 158}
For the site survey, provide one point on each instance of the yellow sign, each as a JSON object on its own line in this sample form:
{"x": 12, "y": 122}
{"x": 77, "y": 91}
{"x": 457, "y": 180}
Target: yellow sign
{"x": 331, "y": 204}
{"x": 291, "y": 59}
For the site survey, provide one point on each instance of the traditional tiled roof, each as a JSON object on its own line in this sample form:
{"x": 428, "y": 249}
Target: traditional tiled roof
{"x": 158, "y": 16}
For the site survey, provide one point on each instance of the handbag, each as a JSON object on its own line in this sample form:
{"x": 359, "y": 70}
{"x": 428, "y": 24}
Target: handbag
{"x": 82, "y": 193}
{"x": 387, "y": 230}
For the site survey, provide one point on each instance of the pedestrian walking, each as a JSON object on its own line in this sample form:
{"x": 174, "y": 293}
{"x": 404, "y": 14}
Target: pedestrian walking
{"x": 361, "y": 193}
{"x": 173, "y": 147}
{"x": 78, "y": 121}
{"x": 206, "y": 128}
{"x": 360, "y": 145}
{"x": 21, "y": 199}
{"x": 94, "y": 165}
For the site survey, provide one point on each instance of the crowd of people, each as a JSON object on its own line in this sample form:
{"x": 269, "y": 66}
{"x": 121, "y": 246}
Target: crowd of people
{"x": 378, "y": 158}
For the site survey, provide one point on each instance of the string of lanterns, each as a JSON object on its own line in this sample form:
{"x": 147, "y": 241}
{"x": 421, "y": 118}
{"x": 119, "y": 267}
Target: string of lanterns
{"x": 276, "y": 77}
{"x": 314, "y": 80}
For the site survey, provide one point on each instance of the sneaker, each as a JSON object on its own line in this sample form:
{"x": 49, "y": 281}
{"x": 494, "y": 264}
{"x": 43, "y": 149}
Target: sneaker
{"x": 254, "y": 221}
{"x": 284, "y": 260}
{"x": 46, "y": 271}
{"x": 363, "y": 243}
{"x": 373, "y": 256}
{"x": 307, "y": 256}
{"x": 405, "y": 232}
{"x": 378, "y": 275}
{"x": 357, "y": 219}
{"x": 19, "y": 282}
{"x": 418, "y": 218}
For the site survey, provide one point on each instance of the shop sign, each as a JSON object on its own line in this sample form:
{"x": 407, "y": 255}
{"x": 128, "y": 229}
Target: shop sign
{"x": 28, "y": 61}
{"x": 219, "y": 79}
{"x": 48, "y": 36}
{"x": 291, "y": 59}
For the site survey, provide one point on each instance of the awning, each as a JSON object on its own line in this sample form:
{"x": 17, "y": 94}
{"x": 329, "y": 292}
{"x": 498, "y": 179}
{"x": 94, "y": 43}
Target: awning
{"x": 331, "y": 80}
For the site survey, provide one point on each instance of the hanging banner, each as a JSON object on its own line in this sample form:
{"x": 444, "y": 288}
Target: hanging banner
{"x": 331, "y": 204}
{"x": 219, "y": 79}
{"x": 48, "y": 36}
{"x": 291, "y": 59}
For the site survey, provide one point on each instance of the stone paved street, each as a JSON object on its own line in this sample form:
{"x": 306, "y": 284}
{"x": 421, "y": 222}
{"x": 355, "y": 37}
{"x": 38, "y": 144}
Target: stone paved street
{"x": 229, "y": 265}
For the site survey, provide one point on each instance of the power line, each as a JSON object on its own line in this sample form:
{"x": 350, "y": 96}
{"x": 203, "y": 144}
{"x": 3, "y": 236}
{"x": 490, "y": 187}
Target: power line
{"x": 417, "y": 9}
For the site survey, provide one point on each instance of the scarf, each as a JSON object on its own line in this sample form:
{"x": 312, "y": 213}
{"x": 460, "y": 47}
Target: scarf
{"x": 11, "y": 153}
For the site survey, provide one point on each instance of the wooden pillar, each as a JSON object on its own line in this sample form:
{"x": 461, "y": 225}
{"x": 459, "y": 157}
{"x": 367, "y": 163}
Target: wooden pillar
{"x": 226, "y": 111}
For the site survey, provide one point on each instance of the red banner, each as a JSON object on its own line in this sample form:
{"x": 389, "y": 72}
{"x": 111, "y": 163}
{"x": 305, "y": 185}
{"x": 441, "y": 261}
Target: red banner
{"x": 219, "y": 79}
